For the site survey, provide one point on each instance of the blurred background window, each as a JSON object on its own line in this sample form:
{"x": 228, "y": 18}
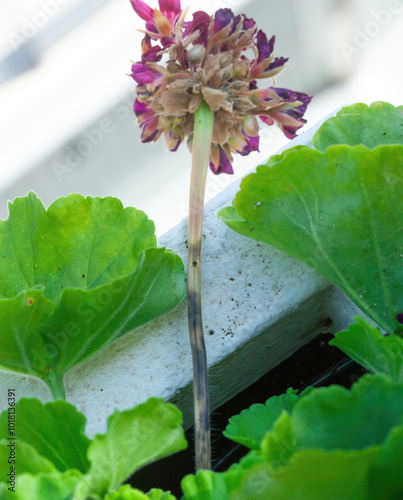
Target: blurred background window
{"x": 30, "y": 27}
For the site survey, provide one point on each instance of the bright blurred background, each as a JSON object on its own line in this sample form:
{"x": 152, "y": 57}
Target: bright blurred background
{"x": 66, "y": 120}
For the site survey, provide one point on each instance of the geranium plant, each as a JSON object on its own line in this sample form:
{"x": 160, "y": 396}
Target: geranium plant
{"x": 57, "y": 461}
{"x": 338, "y": 208}
{"x": 324, "y": 443}
{"x": 85, "y": 271}
{"x": 75, "y": 277}
{"x": 198, "y": 80}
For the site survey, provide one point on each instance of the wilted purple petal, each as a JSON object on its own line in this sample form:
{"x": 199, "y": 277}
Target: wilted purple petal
{"x": 152, "y": 28}
{"x": 222, "y": 18}
{"x": 224, "y": 166}
{"x": 289, "y": 117}
{"x": 267, "y": 120}
{"x": 171, "y": 9}
{"x": 264, "y": 46}
{"x": 277, "y": 63}
{"x": 139, "y": 108}
{"x": 291, "y": 132}
{"x": 152, "y": 55}
{"x": 291, "y": 96}
{"x": 150, "y": 128}
{"x": 287, "y": 94}
{"x": 251, "y": 145}
{"x": 150, "y": 138}
{"x": 248, "y": 23}
{"x": 178, "y": 143}
{"x": 166, "y": 42}
{"x": 399, "y": 318}
{"x": 143, "y": 74}
{"x": 236, "y": 21}
{"x": 143, "y": 10}
{"x": 201, "y": 22}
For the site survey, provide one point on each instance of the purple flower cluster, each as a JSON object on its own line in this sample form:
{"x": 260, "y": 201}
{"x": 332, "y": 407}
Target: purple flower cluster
{"x": 219, "y": 59}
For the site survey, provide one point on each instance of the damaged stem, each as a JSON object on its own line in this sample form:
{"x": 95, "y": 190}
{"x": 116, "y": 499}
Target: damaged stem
{"x": 203, "y": 130}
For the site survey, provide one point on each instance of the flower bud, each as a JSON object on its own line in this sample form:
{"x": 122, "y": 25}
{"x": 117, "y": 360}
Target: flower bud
{"x": 196, "y": 54}
{"x": 173, "y": 67}
{"x": 224, "y": 59}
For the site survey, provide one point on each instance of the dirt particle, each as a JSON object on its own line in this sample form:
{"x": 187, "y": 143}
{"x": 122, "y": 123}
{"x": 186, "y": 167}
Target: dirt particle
{"x": 83, "y": 275}
{"x": 232, "y": 279}
{"x": 211, "y": 332}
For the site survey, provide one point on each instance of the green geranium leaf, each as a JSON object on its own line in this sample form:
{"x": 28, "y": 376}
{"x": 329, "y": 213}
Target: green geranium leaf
{"x": 336, "y": 418}
{"x": 77, "y": 242}
{"x": 134, "y": 438}
{"x": 126, "y": 492}
{"x": 311, "y": 475}
{"x": 52, "y": 486}
{"x": 385, "y": 477}
{"x": 336, "y": 212}
{"x": 376, "y": 352}
{"x": 279, "y": 445}
{"x": 74, "y": 278}
{"x": 20, "y": 318}
{"x": 157, "y": 494}
{"x": 205, "y": 485}
{"x": 250, "y": 426}
{"x": 380, "y": 123}
{"x": 55, "y": 430}
{"x": 106, "y": 313}
{"x": 26, "y": 460}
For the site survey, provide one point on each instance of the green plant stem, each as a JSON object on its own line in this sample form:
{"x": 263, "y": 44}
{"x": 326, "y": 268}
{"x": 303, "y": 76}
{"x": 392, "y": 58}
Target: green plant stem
{"x": 203, "y": 130}
{"x": 56, "y": 385}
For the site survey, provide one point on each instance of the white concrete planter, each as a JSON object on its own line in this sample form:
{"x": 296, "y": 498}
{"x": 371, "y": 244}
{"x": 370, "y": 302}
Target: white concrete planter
{"x": 259, "y": 306}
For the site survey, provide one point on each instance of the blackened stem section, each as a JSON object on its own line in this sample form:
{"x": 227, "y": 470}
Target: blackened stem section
{"x": 203, "y": 130}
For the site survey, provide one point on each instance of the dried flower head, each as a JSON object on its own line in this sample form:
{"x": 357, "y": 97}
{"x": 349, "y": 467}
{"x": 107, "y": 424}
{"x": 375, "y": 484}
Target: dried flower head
{"x": 218, "y": 58}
